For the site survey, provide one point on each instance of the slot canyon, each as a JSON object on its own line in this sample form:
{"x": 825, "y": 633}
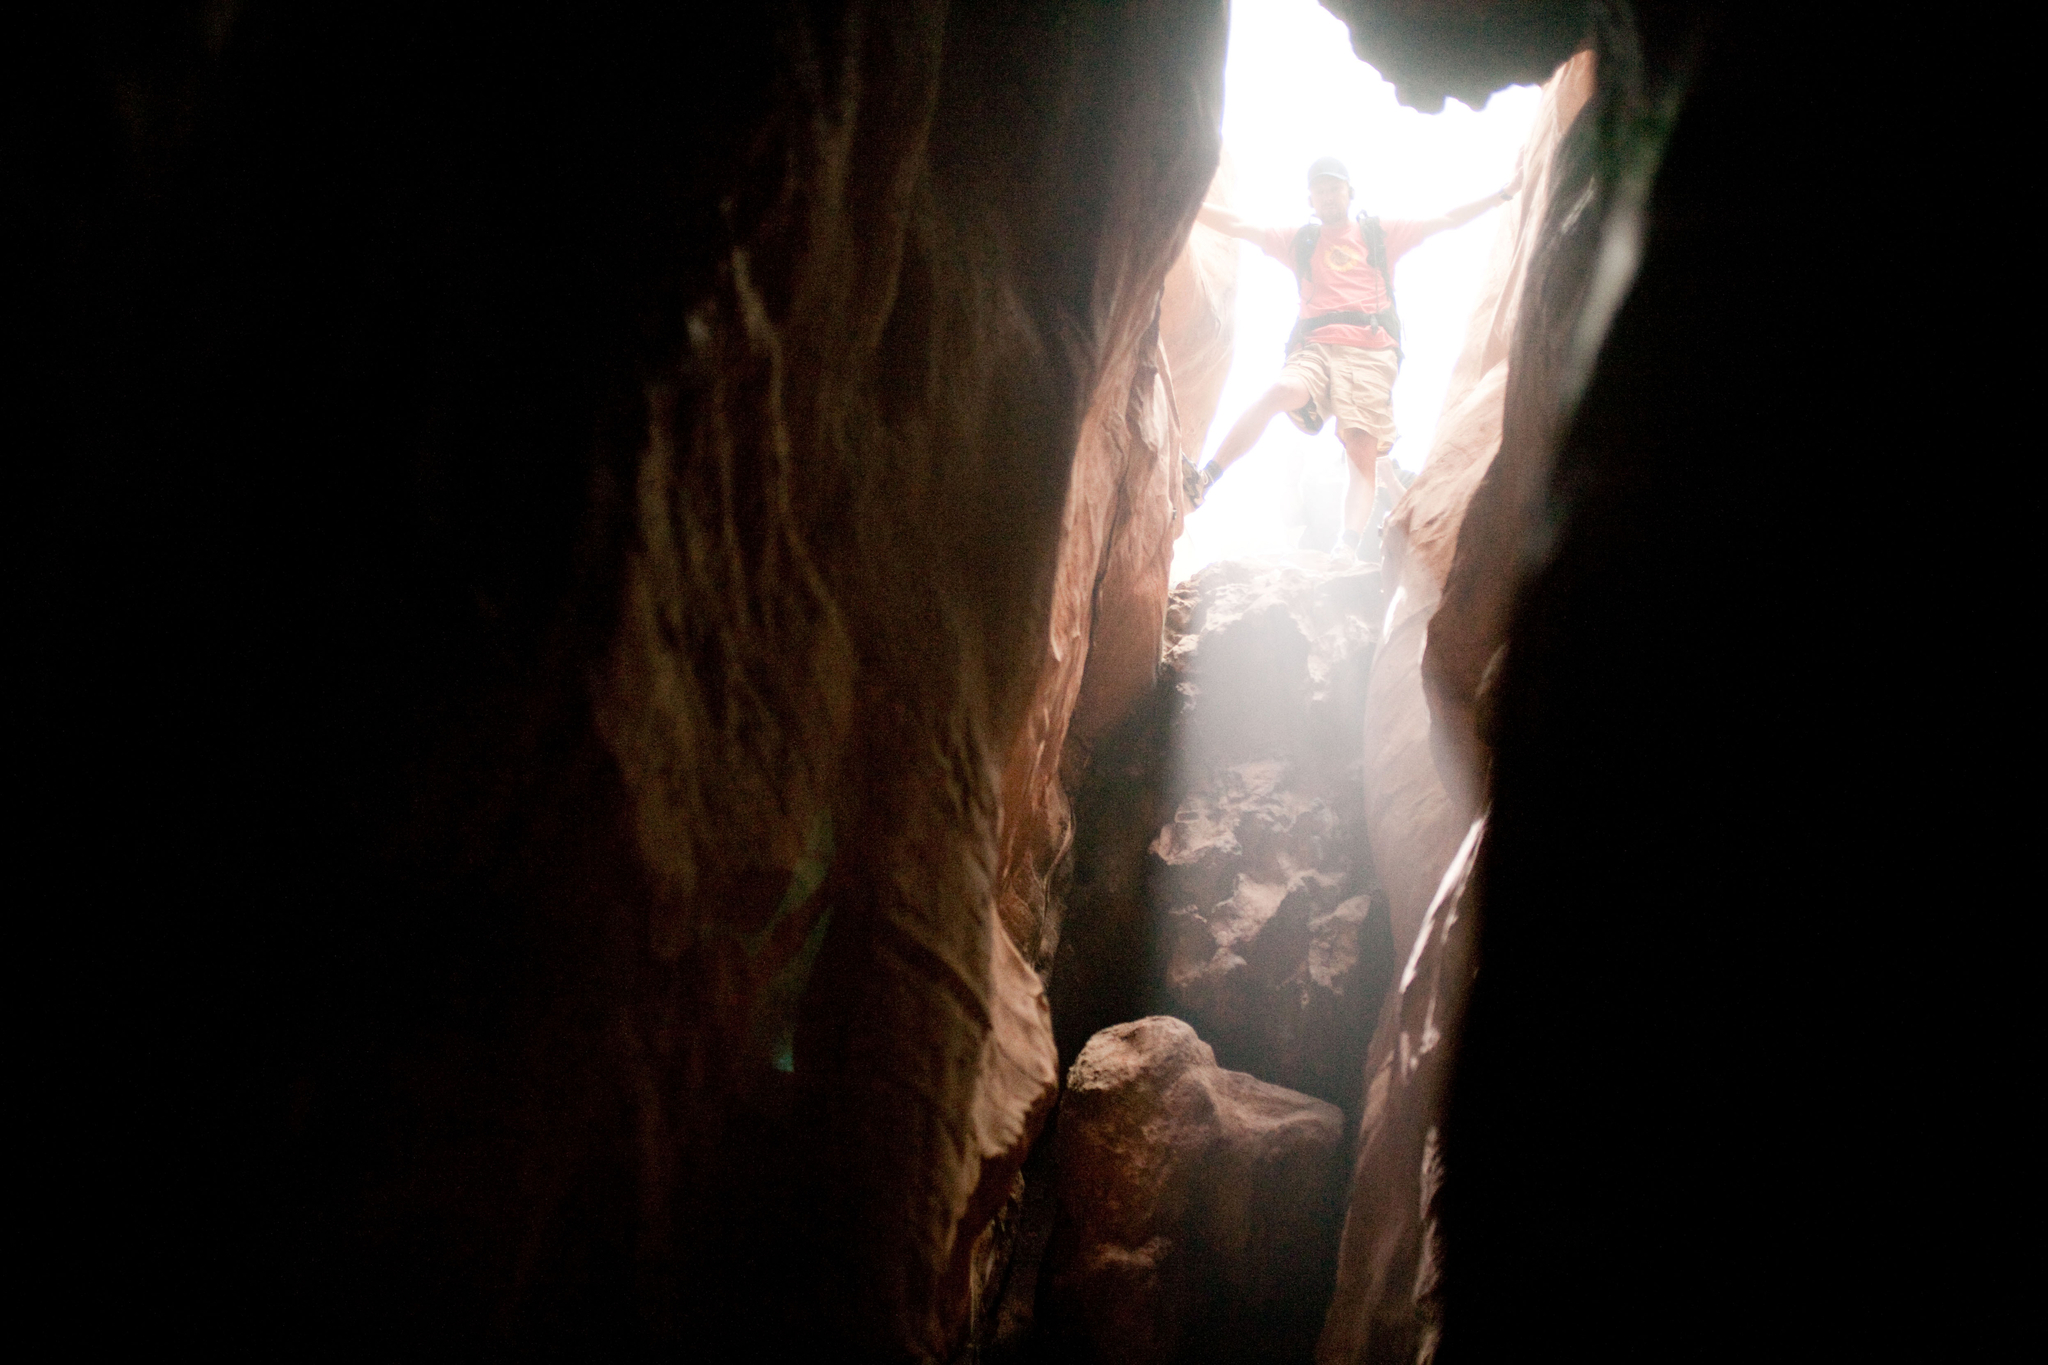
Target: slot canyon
{"x": 628, "y": 778}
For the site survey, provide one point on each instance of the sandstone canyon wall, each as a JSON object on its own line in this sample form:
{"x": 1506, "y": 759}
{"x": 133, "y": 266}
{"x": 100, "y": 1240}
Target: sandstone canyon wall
{"x": 1124, "y": 511}
{"x": 604, "y": 481}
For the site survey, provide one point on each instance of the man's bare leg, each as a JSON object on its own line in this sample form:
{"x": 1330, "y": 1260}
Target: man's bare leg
{"x": 1362, "y": 449}
{"x": 1286, "y": 394}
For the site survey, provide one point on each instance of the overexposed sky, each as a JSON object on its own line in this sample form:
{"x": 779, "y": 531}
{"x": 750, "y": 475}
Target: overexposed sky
{"x": 1293, "y": 91}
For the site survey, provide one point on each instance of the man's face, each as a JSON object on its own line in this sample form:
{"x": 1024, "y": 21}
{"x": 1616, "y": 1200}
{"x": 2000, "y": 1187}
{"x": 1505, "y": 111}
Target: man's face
{"x": 1330, "y": 198}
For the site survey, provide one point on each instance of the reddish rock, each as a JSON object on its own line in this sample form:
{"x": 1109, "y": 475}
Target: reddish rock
{"x": 1017, "y": 1084}
{"x": 1124, "y": 510}
{"x": 1108, "y": 595}
{"x": 710, "y": 422}
{"x": 1197, "y": 1206}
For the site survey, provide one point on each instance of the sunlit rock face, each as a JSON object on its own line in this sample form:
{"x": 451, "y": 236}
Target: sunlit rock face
{"x": 1388, "y": 1304}
{"x": 1228, "y": 880}
{"x": 1124, "y": 510}
{"x": 1197, "y": 1207}
{"x": 1198, "y": 319}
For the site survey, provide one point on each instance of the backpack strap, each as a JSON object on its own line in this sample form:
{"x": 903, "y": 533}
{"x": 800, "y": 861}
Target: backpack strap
{"x": 1305, "y": 238}
{"x": 1375, "y": 234}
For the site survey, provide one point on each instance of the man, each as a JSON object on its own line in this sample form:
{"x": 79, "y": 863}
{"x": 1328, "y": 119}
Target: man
{"x": 1346, "y": 349}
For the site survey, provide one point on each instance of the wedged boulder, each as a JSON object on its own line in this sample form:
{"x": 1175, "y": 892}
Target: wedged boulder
{"x": 1270, "y": 656}
{"x": 1198, "y": 1207}
{"x": 1262, "y": 943}
{"x": 1221, "y": 869}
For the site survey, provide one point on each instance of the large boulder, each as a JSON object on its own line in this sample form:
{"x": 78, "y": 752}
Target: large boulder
{"x": 1221, "y": 869}
{"x": 1197, "y": 1206}
{"x": 1261, "y": 941}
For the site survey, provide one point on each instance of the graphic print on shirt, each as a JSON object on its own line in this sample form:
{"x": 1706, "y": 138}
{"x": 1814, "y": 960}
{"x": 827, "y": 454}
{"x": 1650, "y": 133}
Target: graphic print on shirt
{"x": 1340, "y": 257}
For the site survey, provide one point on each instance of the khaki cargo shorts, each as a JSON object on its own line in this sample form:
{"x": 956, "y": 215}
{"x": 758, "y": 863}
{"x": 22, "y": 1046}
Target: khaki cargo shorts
{"x": 1350, "y": 383}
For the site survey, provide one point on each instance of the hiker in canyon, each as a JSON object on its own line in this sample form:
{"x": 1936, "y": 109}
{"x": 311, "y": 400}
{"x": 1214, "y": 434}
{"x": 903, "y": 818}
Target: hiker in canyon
{"x": 1346, "y": 347}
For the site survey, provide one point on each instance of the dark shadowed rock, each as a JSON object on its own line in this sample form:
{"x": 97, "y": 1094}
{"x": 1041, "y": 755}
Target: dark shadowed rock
{"x": 746, "y": 414}
{"x": 1198, "y": 1206}
{"x": 1420, "y": 803}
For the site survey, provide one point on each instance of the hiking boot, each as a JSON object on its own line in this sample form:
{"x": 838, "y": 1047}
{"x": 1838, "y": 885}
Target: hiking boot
{"x": 1195, "y": 483}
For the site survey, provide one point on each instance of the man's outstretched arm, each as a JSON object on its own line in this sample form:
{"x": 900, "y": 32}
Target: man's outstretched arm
{"x": 1227, "y": 223}
{"x": 1465, "y": 213}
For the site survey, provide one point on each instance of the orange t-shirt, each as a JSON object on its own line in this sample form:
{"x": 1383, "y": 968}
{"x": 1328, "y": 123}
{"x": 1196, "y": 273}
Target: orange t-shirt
{"x": 1341, "y": 280}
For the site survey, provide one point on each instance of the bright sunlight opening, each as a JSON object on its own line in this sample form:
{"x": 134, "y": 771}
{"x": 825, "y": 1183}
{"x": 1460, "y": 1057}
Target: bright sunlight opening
{"x": 1293, "y": 91}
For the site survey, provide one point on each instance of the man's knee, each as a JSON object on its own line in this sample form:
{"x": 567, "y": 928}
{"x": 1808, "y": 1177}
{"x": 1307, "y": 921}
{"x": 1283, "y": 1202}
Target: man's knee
{"x": 1288, "y": 393}
{"x": 1364, "y": 448}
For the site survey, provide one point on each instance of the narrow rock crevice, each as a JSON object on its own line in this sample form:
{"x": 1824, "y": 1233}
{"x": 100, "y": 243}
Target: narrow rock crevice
{"x": 607, "y": 718}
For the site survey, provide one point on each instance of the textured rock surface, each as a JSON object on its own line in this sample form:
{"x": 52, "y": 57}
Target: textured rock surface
{"x": 1016, "y": 1085}
{"x": 1507, "y": 389}
{"x": 1198, "y": 1206}
{"x": 1222, "y": 871}
{"x": 1116, "y": 544}
{"x": 596, "y": 494}
{"x": 1267, "y": 937}
{"x": 1124, "y": 511}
